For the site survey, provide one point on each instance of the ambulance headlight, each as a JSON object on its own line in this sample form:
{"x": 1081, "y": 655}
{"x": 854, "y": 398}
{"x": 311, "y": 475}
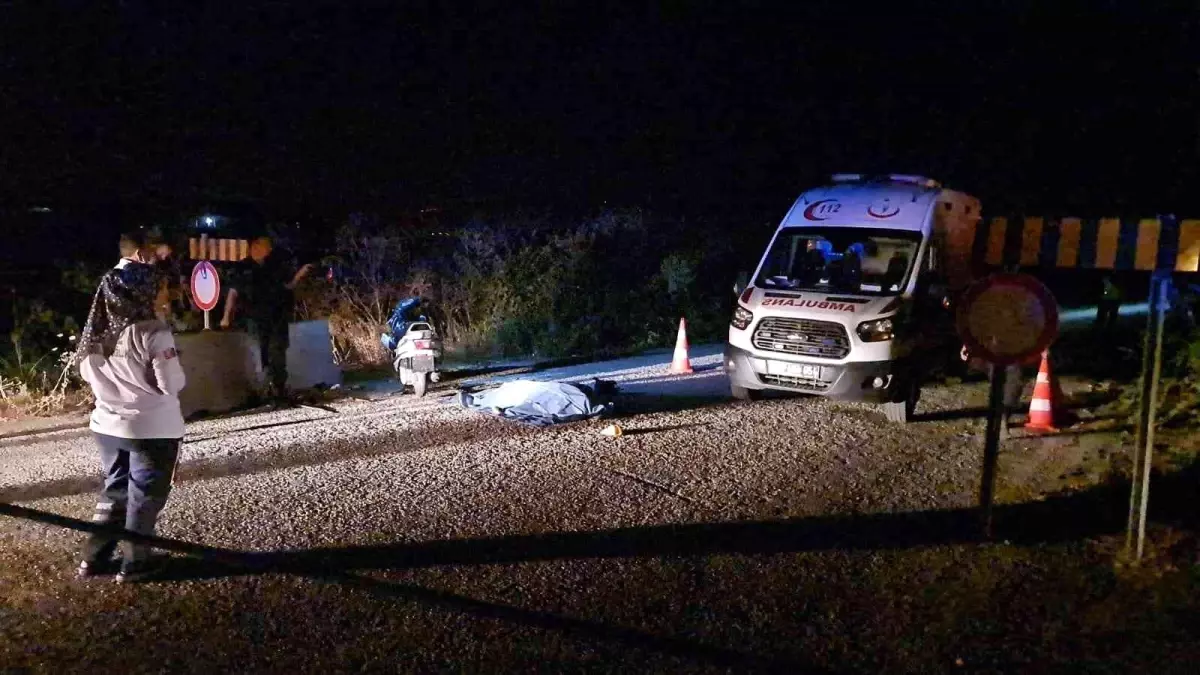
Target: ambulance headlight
{"x": 878, "y": 330}
{"x": 741, "y": 318}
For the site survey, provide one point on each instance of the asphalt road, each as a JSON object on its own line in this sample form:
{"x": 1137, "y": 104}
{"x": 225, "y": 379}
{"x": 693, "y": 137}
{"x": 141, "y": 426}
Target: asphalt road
{"x": 404, "y": 535}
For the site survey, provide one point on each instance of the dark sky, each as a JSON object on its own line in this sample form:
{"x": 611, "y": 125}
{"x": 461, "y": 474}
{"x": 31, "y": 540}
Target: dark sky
{"x": 686, "y": 106}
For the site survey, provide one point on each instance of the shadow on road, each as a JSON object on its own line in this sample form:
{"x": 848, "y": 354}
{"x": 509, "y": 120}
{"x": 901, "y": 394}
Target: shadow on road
{"x": 393, "y": 442}
{"x": 257, "y": 427}
{"x": 1077, "y": 401}
{"x": 630, "y": 404}
{"x": 1065, "y": 518}
{"x": 1069, "y": 517}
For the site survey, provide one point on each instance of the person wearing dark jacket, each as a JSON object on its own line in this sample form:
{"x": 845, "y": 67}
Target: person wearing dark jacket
{"x": 263, "y": 289}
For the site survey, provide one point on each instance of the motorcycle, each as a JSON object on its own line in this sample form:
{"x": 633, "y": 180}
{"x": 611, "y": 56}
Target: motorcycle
{"x": 418, "y": 355}
{"x": 415, "y": 346}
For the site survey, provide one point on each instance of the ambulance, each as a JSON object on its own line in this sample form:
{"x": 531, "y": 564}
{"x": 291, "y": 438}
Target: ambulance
{"x": 852, "y": 299}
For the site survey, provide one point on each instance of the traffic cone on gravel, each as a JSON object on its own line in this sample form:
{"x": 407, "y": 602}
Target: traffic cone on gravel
{"x": 1044, "y": 412}
{"x": 681, "y": 365}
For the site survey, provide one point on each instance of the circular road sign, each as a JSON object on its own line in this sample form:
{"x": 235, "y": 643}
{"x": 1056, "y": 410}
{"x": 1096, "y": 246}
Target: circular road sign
{"x": 206, "y": 286}
{"x": 1008, "y": 318}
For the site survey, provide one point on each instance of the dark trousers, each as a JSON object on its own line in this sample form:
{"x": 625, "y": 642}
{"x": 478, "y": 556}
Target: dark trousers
{"x": 272, "y": 336}
{"x": 137, "y": 480}
{"x": 1106, "y": 313}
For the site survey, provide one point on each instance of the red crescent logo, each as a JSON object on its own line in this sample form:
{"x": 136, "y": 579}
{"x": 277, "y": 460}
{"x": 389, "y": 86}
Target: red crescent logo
{"x": 808, "y": 213}
{"x": 884, "y": 212}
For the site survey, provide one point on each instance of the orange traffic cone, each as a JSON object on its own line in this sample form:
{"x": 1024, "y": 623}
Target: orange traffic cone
{"x": 681, "y": 365}
{"x": 1047, "y": 397}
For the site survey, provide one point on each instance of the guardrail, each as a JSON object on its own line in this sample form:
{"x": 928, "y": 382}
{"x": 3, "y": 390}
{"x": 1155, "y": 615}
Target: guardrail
{"x": 226, "y": 250}
{"x": 1146, "y": 244}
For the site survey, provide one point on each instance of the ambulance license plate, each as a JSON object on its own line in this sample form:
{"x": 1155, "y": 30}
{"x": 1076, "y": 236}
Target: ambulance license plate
{"x": 802, "y": 370}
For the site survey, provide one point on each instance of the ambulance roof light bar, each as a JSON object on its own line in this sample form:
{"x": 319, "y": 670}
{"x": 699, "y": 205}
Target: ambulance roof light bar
{"x": 893, "y": 177}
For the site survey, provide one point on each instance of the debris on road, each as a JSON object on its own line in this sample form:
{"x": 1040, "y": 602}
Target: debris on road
{"x": 649, "y": 483}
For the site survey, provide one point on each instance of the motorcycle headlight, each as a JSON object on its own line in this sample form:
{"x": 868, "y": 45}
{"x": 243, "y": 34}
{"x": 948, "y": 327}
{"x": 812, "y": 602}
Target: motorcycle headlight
{"x": 878, "y": 330}
{"x": 741, "y": 318}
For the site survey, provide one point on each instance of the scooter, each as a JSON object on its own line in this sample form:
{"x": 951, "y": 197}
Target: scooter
{"x": 417, "y": 356}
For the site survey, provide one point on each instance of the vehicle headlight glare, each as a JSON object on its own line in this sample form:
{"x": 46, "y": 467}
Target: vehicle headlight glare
{"x": 741, "y": 318}
{"x": 878, "y": 330}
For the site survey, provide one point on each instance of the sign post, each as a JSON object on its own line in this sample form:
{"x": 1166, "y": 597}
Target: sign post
{"x": 1139, "y": 497}
{"x": 1004, "y": 319}
{"x": 206, "y": 289}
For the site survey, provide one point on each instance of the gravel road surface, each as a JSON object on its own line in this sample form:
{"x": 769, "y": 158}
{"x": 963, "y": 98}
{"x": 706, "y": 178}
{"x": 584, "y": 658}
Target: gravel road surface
{"x": 405, "y": 535}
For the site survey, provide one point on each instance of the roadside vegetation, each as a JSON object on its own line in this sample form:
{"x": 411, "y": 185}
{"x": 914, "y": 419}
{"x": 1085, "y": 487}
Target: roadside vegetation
{"x": 531, "y": 284}
{"x": 506, "y": 285}
{"x": 527, "y": 285}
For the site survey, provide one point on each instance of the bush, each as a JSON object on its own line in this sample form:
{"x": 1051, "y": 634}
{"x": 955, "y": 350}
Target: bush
{"x": 33, "y": 376}
{"x": 530, "y": 284}
{"x": 373, "y": 260}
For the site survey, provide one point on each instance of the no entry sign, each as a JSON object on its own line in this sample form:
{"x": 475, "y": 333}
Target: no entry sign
{"x": 206, "y": 286}
{"x": 1004, "y": 319}
{"x": 1008, "y": 318}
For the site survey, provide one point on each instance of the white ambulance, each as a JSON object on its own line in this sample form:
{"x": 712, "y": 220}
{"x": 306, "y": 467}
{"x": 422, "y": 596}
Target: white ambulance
{"x": 852, "y": 298}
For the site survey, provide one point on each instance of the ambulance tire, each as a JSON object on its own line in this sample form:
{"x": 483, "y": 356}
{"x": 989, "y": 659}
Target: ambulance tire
{"x": 744, "y": 394}
{"x": 901, "y": 412}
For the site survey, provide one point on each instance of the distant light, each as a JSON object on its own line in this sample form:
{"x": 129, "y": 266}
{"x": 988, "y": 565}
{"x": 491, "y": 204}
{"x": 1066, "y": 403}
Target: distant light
{"x": 40, "y": 209}
{"x": 210, "y": 221}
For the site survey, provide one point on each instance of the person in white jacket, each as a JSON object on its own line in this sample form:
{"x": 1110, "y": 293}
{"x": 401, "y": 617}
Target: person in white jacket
{"x": 129, "y": 359}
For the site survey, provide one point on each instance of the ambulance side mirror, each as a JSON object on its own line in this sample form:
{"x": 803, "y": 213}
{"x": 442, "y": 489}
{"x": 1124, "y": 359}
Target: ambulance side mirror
{"x": 938, "y": 294}
{"x": 743, "y": 280}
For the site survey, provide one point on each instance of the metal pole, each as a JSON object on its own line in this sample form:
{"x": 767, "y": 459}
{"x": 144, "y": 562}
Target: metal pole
{"x": 1139, "y": 497}
{"x": 997, "y": 414}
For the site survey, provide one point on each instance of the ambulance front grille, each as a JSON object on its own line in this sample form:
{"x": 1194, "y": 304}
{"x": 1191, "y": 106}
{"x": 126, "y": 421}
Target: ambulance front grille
{"x": 795, "y": 382}
{"x": 802, "y": 337}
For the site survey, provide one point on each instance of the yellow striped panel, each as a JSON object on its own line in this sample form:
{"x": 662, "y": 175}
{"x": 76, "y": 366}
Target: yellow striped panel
{"x": 1146, "y": 255}
{"x": 1106, "y": 243}
{"x": 1189, "y": 247}
{"x": 995, "y": 243}
{"x": 243, "y": 249}
{"x": 1031, "y": 241}
{"x": 193, "y": 248}
{"x": 1069, "y": 230}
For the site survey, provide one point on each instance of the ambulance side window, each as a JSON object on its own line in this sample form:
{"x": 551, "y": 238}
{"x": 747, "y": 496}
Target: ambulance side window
{"x": 934, "y": 261}
{"x": 930, "y": 273}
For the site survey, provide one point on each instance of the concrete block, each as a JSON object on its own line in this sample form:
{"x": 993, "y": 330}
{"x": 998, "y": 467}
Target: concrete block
{"x": 310, "y": 356}
{"x": 224, "y": 368}
{"x": 220, "y": 372}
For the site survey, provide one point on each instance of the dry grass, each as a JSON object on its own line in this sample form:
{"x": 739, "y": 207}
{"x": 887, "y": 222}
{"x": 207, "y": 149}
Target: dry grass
{"x": 19, "y": 400}
{"x": 33, "y": 404}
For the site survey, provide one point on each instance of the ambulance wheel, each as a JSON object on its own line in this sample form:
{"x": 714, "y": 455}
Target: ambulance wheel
{"x": 420, "y": 384}
{"x": 902, "y": 411}
{"x": 744, "y": 394}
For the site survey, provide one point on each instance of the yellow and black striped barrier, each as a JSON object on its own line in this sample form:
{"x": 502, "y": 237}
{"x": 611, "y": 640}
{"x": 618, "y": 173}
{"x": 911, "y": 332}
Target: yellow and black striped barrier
{"x": 221, "y": 250}
{"x": 1150, "y": 244}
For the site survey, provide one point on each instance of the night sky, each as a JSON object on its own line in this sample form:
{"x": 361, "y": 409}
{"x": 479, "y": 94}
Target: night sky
{"x": 719, "y": 107}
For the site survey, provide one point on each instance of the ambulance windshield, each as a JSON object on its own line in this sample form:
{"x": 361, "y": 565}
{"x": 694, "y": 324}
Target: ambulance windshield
{"x": 864, "y": 261}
